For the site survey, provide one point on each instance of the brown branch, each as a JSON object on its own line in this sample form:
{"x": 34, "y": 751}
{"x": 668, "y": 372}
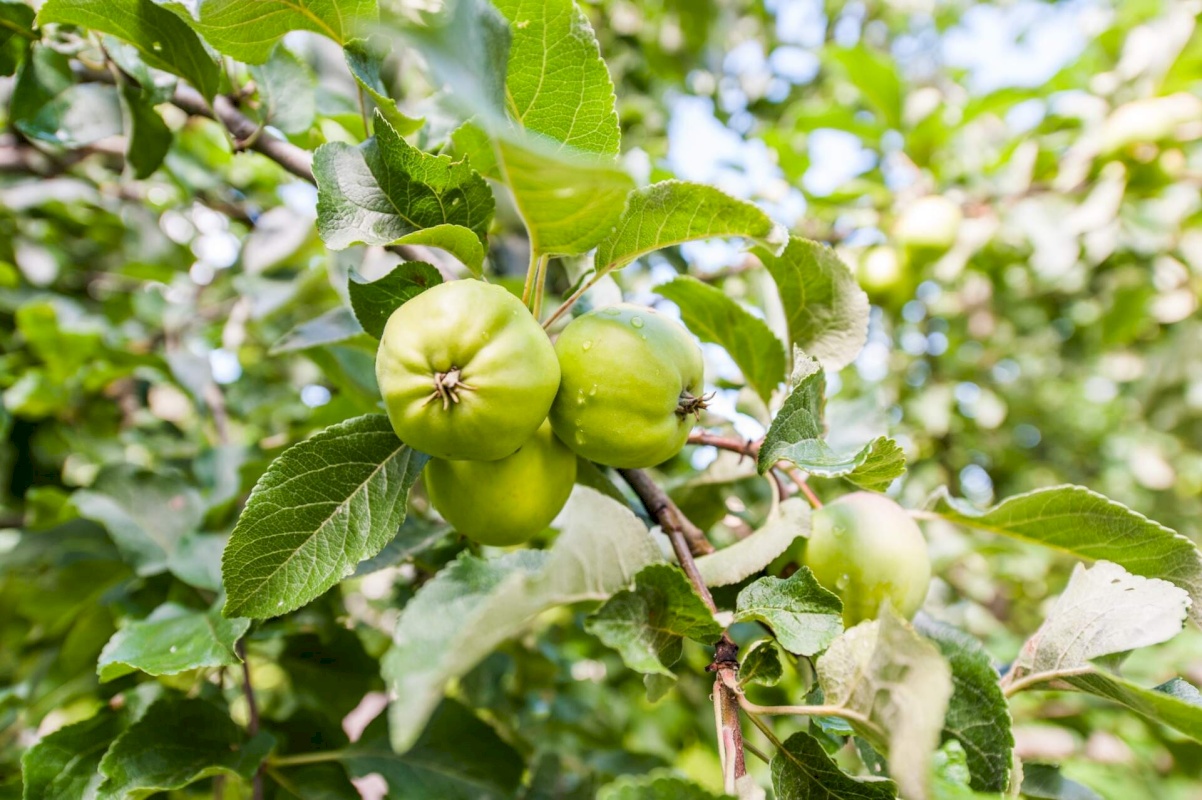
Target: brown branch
{"x": 686, "y": 537}
{"x": 726, "y": 653}
{"x": 252, "y": 708}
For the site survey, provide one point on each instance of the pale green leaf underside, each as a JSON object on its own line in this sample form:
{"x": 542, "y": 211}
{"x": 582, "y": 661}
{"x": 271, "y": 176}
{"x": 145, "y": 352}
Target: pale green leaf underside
{"x": 171, "y": 640}
{"x": 569, "y": 201}
{"x": 714, "y": 317}
{"x": 322, "y": 507}
{"x": 336, "y": 325}
{"x": 1103, "y": 611}
{"x": 386, "y": 189}
{"x": 672, "y": 212}
{"x": 748, "y": 556}
{"x": 287, "y": 91}
{"x": 647, "y": 624}
{"x": 804, "y": 617}
{"x": 1088, "y": 525}
{"x": 899, "y": 686}
{"x": 557, "y": 83}
{"x": 978, "y": 716}
{"x": 164, "y": 40}
{"x": 826, "y": 310}
{"x": 481, "y": 603}
{"x": 247, "y": 31}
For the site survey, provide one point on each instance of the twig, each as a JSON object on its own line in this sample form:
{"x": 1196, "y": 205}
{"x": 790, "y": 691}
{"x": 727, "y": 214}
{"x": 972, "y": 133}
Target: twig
{"x": 687, "y": 539}
{"x": 726, "y": 653}
{"x": 252, "y": 707}
{"x": 751, "y": 448}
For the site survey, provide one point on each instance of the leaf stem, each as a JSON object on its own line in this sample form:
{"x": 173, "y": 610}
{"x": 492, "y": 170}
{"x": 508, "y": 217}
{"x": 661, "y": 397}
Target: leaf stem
{"x": 1013, "y": 687}
{"x": 566, "y": 305}
{"x": 751, "y": 448}
{"x": 540, "y": 284}
{"x": 298, "y": 759}
{"x": 806, "y": 711}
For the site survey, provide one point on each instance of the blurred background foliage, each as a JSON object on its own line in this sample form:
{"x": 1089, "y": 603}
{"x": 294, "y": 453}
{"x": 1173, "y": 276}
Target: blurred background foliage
{"x": 1016, "y": 184}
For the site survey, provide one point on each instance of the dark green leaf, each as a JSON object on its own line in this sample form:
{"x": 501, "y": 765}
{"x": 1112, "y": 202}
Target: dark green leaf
{"x": 65, "y": 764}
{"x": 825, "y": 308}
{"x": 79, "y": 116}
{"x": 978, "y": 716}
{"x": 761, "y": 664}
{"x": 647, "y": 624}
{"x": 655, "y": 786}
{"x": 714, "y": 317}
{"x": 386, "y": 188}
{"x": 374, "y": 302}
{"x": 1044, "y": 782}
{"x": 801, "y": 770}
{"x": 1086, "y": 524}
{"x": 321, "y": 508}
{"x": 149, "y": 136}
{"x": 804, "y": 617}
{"x": 458, "y": 757}
{"x": 178, "y": 741}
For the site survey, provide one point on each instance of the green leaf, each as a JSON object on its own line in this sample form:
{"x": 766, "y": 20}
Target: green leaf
{"x": 81, "y": 115}
{"x": 385, "y": 188}
{"x": 465, "y": 44}
{"x": 247, "y": 32}
{"x": 876, "y": 77}
{"x": 171, "y": 640}
{"x": 714, "y": 317}
{"x": 16, "y": 30}
{"x": 658, "y": 785}
{"x": 648, "y": 624}
{"x": 322, "y": 507}
{"x": 978, "y": 716}
{"x": 457, "y": 757}
{"x": 748, "y": 556}
{"x": 65, "y": 764}
{"x": 796, "y": 436}
{"x": 557, "y": 84}
{"x": 480, "y": 603}
{"x": 336, "y": 325}
{"x": 147, "y": 514}
{"x": 761, "y": 664}
{"x": 569, "y": 201}
{"x": 457, "y": 240}
{"x": 896, "y": 686}
{"x": 1044, "y": 782}
{"x": 44, "y": 74}
{"x": 149, "y": 136}
{"x": 374, "y": 301}
{"x": 177, "y": 742}
{"x": 801, "y": 770}
{"x": 1176, "y": 703}
{"x": 287, "y": 91}
{"x": 804, "y": 617}
{"x": 671, "y": 212}
{"x": 164, "y": 39}
{"x": 1087, "y": 525}
{"x": 826, "y": 310}
{"x": 365, "y": 58}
